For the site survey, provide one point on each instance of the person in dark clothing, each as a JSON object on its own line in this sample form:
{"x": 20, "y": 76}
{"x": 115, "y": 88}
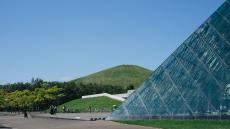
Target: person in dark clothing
{"x": 55, "y": 109}
{"x": 51, "y": 109}
{"x": 25, "y": 114}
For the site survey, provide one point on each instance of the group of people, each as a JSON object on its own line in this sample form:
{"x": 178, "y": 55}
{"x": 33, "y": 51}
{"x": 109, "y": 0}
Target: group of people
{"x": 53, "y": 109}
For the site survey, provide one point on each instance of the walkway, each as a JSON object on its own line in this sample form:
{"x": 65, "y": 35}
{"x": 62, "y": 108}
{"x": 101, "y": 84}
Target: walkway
{"x": 73, "y": 116}
{"x": 18, "y": 122}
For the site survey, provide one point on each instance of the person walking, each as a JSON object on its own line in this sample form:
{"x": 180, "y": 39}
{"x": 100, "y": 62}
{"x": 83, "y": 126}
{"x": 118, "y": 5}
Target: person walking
{"x": 25, "y": 113}
{"x": 63, "y": 109}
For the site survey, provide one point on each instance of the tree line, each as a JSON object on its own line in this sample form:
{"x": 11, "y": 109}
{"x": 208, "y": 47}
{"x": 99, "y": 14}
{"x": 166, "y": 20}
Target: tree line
{"x": 38, "y": 95}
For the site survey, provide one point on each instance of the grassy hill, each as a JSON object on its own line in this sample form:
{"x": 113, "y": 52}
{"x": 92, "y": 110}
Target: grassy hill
{"x": 123, "y": 75}
{"x": 97, "y": 104}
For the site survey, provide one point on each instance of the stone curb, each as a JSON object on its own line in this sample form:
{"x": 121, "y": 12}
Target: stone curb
{"x": 61, "y": 118}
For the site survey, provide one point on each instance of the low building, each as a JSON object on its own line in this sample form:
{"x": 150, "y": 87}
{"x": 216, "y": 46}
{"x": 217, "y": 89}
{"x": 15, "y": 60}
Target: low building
{"x": 119, "y": 97}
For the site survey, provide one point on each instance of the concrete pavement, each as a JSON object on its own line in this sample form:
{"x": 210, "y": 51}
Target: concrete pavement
{"x": 72, "y": 116}
{"x": 18, "y": 122}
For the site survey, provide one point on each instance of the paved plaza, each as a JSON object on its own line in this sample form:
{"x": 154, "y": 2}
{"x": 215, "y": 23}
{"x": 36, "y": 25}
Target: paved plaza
{"x": 72, "y": 116}
{"x": 18, "y": 122}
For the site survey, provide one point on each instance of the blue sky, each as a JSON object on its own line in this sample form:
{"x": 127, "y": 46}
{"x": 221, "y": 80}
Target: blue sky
{"x": 59, "y": 40}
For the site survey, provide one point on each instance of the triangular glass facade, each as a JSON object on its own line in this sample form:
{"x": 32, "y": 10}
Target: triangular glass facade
{"x": 193, "y": 82}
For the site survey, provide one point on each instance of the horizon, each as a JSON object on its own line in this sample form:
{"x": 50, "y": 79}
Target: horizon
{"x": 73, "y": 39}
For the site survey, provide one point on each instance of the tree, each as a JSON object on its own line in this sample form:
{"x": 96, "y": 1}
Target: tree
{"x": 20, "y": 99}
{"x": 45, "y": 96}
{"x": 40, "y": 98}
{"x": 130, "y": 87}
{"x": 2, "y": 98}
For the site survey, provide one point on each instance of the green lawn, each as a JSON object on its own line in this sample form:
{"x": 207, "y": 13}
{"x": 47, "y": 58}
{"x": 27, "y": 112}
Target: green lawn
{"x": 97, "y": 104}
{"x": 123, "y": 75}
{"x": 182, "y": 124}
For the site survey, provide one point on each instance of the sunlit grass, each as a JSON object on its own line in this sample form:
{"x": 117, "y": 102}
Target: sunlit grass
{"x": 97, "y": 104}
{"x": 182, "y": 124}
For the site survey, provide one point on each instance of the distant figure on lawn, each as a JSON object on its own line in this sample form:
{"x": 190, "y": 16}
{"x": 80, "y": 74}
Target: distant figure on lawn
{"x": 64, "y": 109}
{"x": 90, "y": 109}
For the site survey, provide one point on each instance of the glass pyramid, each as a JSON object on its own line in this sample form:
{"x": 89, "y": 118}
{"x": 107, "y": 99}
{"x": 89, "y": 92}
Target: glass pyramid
{"x": 193, "y": 82}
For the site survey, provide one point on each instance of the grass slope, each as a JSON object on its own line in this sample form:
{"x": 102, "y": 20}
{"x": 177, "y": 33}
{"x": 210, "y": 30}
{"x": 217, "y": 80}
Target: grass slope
{"x": 182, "y": 124}
{"x": 97, "y": 104}
{"x": 123, "y": 75}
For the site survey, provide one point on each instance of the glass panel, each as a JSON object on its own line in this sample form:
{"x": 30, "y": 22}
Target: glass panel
{"x": 224, "y": 10}
{"x": 221, "y": 25}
